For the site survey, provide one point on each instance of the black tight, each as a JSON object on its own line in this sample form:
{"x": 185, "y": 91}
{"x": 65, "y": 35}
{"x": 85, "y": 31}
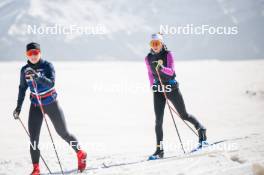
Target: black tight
{"x": 34, "y": 125}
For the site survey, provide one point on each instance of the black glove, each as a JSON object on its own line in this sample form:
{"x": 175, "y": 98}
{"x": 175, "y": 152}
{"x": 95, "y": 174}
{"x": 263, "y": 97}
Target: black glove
{"x": 31, "y": 73}
{"x": 16, "y": 113}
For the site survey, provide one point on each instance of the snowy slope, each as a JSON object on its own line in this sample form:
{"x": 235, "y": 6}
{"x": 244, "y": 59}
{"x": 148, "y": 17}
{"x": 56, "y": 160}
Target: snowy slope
{"x": 128, "y": 25}
{"x": 116, "y": 124}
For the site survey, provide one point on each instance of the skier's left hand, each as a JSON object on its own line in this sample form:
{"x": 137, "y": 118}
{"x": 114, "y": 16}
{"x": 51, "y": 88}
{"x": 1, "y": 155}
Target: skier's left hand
{"x": 158, "y": 64}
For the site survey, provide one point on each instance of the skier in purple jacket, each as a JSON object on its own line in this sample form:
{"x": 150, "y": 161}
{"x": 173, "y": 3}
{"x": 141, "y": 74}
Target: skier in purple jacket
{"x": 159, "y": 54}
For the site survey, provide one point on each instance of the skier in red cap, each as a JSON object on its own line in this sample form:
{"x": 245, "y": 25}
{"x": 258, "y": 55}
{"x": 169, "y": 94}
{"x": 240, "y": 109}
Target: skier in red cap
{"x": 42, "y": 73}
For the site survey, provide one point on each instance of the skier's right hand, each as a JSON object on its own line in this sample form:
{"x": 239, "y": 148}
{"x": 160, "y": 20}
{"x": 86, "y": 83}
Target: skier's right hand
{"x": 31, "y": 73}
{"x": 16, "y": 113}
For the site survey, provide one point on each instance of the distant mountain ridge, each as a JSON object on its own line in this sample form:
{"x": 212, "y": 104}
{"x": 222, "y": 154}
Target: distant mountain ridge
{"x": 128, "y": 25}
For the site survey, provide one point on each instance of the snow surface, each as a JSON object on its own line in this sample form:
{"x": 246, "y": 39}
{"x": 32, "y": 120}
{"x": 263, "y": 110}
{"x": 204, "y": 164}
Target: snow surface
{"x": 108, "y": 106}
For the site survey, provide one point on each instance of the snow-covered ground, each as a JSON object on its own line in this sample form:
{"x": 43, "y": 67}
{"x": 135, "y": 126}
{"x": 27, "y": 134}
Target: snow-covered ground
{"x": 108, "y": 106}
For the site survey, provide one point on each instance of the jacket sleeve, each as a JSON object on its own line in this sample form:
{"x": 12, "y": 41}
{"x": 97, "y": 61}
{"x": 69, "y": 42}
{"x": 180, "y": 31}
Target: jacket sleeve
{"x": 22, "y": 89}
{"x": 169, "y": 70}
{"x": 150, "y": 75}
{"x": 49, "y": 79}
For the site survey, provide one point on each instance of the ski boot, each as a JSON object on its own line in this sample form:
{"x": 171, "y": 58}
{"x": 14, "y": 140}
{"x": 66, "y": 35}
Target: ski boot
{"x": 159, "y": 153}
{"x": 36, "y": 170}
{"x": 81, "y": 155}
{"x": 202, "y": 138}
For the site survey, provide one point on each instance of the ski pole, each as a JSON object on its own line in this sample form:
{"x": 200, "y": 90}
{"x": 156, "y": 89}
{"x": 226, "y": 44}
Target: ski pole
{"x": 165, "y": 95}
{"x": 43, "y": 114}
{"x": 37, "y": 148}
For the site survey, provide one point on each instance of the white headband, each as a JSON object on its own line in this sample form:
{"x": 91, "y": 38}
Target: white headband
{"x": 157, "y": 36}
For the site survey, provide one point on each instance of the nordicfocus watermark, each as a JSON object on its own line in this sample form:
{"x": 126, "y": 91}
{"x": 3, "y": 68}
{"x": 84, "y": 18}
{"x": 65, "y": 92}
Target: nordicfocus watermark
{"x": 127, "y": 87}
{"x": 191, "y": 29}
{"x": 58, "y": 29}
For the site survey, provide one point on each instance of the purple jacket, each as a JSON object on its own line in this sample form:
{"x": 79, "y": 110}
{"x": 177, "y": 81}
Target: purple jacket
{"x": 167, "y": 73}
